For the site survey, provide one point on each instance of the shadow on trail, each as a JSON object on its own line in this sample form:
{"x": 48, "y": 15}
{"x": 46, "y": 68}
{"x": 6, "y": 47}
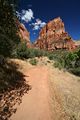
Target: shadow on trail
{"x": 12, "y": 88}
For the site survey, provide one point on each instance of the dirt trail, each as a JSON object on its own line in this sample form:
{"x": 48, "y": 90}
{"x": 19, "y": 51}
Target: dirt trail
{"x": 55, "y": 94}
{"x": 35, "y": 104}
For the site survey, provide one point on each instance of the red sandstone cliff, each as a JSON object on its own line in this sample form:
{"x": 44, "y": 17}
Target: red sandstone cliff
{"x": 24, "y": 34}
{"x": 53, "y": 36}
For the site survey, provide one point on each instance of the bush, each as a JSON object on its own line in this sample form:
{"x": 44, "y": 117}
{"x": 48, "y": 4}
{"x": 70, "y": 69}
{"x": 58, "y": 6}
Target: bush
{"x": 57, "y": 65}
{"x": 50, "y": 56}
{"x": 23, "y": 52}
{"x": 33, "y": 61}
{"x": 71, "y": 60}
{"x": 75, "y": 71}
{"x": 37, "y": 52}
{"x": 78, "y": 53}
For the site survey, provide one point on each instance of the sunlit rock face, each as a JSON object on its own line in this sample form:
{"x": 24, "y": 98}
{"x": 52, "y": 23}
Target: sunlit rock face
{"x": 53, "y": 36}
{"x": 24, "y": 34}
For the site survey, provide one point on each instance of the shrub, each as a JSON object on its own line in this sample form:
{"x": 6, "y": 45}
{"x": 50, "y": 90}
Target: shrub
{"x": 77, "y": 63}
{"x": 78, "y": 53}
{"x": 38, "y": 52}
{"x": 50, "y": 56}
{"x": 57, "y": 65}
{"x": 21, "y": 51}
{"x": 33, "y": 61}
{"x": 71, "y": 59}
{"x": 75, "y": 71}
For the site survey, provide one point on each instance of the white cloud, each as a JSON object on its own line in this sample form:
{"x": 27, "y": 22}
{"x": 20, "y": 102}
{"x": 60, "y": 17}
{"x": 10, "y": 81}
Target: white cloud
{"x": 38, "y": 21}
{"x": 23, "y": 12}
{"x": 38, "y": 24}
{"x": 42, "y": 24}
{"x": 36, "y": 27}
{"x": 27, "y": 15}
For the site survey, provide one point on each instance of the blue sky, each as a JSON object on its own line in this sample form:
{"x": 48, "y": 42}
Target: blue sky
{"x": 36, "y": 13}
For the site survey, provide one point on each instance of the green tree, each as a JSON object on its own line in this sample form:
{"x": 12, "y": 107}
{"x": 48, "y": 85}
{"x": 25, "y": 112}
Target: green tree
{"x": 8, "y": 28}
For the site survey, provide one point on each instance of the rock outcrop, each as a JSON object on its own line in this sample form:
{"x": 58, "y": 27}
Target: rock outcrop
{"x": 77, "y": 43}
{"x": 24, "y": 34}
{"x": 53, "y": 36}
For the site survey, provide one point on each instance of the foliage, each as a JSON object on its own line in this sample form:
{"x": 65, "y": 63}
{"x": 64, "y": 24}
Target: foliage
{"x": 75, "y": 71}
{"x": 8, "y": 28}
{"x": 50, "y": 56}
{"x": 23, "y": 52}
{"x": 33, "y": 61}
{"x": 39, "y": 53}
{"x": 78, "y": 53}
{"x": 57, "y": 65}
{"x": 69, "y": 61}
{"x": 63, "y": 59}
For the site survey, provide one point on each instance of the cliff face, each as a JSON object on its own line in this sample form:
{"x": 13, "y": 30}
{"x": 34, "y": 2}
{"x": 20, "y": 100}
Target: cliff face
{"x": 53, "y": 36}
{"x": 24, "y": 34}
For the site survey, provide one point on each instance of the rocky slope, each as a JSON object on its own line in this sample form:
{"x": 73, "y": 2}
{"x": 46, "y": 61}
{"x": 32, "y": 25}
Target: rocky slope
{"x": 53, "y": 36}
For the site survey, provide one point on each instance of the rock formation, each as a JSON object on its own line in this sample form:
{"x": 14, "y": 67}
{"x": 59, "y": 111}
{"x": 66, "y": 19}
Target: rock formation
{"x": 24, "y": 34}
{"x": 53, "y": 36}
{"x": 77, "y": 43}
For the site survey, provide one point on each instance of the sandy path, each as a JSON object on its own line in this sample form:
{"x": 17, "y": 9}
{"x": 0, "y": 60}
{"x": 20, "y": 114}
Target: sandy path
{"x": 35, "y": 104}
{"x": 55, "y": 94}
